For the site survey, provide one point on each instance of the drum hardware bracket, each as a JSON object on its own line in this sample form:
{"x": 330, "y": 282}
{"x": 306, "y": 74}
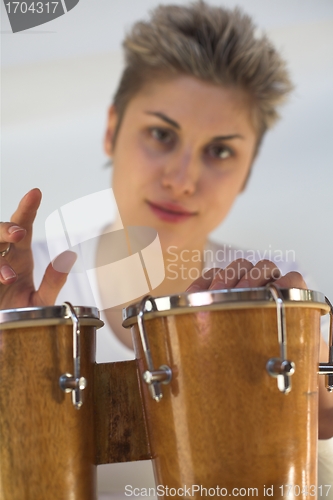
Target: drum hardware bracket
{"x": 327, "y": 368}
{"x": 276, "y": 367}
{"x": 163, "y": 375}
{"x": 280, "y": 368}
{"x": 68, "y": 382}
{"x": 152, "y": 377}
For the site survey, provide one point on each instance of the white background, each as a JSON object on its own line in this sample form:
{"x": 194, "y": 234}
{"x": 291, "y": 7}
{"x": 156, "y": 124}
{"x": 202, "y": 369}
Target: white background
{"x": 58, "y": 79}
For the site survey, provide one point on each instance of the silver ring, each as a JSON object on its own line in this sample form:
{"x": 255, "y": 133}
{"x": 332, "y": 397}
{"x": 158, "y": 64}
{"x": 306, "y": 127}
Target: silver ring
{"x": 4, "y": 253}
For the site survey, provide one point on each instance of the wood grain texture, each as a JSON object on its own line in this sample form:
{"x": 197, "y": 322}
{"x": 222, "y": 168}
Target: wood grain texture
{"x": 121, "y": 432}
{"x": 222, "y": 420}
{"x": 47, "y": 447}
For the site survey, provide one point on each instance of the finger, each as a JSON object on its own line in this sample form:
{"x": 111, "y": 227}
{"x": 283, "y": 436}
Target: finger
{"x": 231, "y": 275}
{"x": 10, "y": 233}
{"x": 204, "y": 281}
{"x": 25, "y": 214}
{"x": 262, "y": 273}
{"x": 7, "y": 274}
{"x": 291, "y": 280}
{"x": 54, "y": 280}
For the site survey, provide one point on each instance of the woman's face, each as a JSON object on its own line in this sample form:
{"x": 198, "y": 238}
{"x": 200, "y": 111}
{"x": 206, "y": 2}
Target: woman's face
{"x": 181, "y": 156}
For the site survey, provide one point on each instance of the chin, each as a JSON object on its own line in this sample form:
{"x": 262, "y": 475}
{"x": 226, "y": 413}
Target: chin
{"x": 172, "y": 240}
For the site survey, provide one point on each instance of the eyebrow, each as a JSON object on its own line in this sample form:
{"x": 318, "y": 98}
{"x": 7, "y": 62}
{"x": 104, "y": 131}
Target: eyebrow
{"x": 164, "y": 118}
{"x": 227, "y": 137}
{"x": 176, "y": 125}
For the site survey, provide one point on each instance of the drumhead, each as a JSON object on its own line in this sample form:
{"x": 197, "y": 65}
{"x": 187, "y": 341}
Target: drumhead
{"x": 51, "y": 315}
{"x": 237, "y": 298}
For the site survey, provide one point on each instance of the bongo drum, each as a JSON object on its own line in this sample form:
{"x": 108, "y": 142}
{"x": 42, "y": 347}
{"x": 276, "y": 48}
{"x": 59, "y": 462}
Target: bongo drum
{"x": 238, "y": 375}
{"x": 47, "y": 441}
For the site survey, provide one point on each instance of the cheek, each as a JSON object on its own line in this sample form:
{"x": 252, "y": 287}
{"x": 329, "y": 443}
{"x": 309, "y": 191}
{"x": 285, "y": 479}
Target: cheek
{"x": 132, "y": 173}
{"x": 138, "y": 161}
{"x": 220, "y": 191}
{"x": 223, "y": 184}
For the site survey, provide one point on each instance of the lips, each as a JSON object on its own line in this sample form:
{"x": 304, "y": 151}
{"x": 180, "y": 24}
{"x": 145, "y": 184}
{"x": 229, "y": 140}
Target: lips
{"x": 170, "y": 212}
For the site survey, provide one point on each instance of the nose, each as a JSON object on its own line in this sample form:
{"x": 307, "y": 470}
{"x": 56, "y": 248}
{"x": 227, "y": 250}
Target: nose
{"x": 181, "y": 175}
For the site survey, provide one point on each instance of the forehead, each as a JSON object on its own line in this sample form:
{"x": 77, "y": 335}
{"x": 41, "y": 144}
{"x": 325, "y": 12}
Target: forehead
{"x": 191, "y": 101}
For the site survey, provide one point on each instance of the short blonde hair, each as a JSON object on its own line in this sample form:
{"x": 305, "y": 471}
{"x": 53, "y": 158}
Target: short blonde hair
{"x": 215, "y": 44}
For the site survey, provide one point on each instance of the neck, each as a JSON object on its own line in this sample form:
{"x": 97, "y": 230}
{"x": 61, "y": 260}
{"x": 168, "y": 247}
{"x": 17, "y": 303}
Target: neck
{"x": 182, "y": 267}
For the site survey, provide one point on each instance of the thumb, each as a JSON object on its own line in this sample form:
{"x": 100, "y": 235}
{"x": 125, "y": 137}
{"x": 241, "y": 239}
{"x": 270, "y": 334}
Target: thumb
{"x": 55, "y": 277}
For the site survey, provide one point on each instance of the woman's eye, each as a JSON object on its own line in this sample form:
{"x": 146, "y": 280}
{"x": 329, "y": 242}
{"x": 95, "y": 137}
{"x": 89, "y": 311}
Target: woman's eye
{"x": 219, "y": 152}
{"x": 162, "y": 135}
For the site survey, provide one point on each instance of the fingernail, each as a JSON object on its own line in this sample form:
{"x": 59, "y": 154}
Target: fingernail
{"x": 15, "y": 229}
{"x": 64, "y": 262}
{"x": 217, "y": 285}
{"x": 194, "y": 288}
{"x": 243, "y": 284}
{"x": 7, "y": 273}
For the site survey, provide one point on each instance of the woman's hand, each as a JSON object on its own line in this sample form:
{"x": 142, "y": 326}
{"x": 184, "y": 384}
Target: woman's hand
{"x": 242, "y": 274}
{"x": 16, "y": 267}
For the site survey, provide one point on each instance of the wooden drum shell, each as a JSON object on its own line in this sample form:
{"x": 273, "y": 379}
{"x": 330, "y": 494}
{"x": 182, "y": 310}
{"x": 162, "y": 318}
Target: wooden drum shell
{"x": 222, "y": 420}
{"x": 47, "y": 446}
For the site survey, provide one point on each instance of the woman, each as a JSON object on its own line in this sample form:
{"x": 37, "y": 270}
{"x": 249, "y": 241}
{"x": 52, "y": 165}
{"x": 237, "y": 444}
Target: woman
{"x": 197, "y": 95}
